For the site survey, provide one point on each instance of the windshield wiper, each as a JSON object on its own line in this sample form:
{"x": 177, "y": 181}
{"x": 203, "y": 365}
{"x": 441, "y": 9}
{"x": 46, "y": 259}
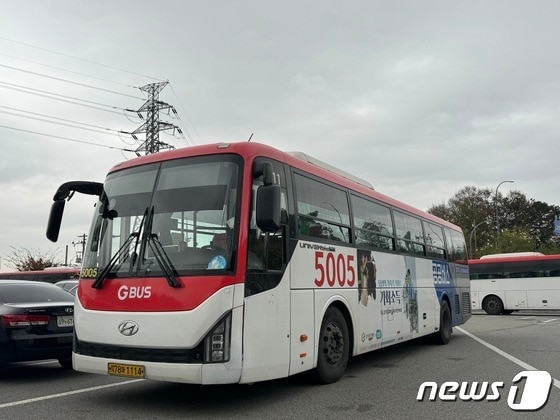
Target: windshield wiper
{"x": 163, "y": 260}
{"x": 159, "y": 253}
{"x": 121, "y": 253}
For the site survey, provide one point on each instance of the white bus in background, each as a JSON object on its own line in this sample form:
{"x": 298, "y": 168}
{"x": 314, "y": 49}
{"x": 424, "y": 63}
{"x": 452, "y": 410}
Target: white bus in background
{"x": 503, "y": 283}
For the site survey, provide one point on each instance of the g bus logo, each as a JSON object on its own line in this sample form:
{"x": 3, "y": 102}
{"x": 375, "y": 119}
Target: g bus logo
{"x": 133, "y": 292}
{"x": 533, "y": 397}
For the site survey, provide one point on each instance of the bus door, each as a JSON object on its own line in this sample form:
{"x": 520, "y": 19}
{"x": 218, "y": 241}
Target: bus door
{"x": 266, "y": 328}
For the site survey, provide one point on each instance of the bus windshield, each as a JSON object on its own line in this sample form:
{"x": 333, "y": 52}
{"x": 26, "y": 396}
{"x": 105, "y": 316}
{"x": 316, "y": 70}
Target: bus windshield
{"x": 174, "y": 217}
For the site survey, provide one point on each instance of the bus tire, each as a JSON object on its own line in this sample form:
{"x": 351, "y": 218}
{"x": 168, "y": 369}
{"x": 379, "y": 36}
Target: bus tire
{"x": 507, "y": 311}
{"x": 445, "y": 326}
{"x": 493, "y": 305}
{"x": 333, "y": 348}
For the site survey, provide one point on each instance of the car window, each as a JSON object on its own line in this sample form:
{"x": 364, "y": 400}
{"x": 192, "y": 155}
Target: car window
{"x": 32, "y": 293}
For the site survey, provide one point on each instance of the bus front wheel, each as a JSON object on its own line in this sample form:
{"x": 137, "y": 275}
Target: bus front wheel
{"x": 507, "y": 311}
{"x": 334, "y": 347}
{"x": 493, "y": 305}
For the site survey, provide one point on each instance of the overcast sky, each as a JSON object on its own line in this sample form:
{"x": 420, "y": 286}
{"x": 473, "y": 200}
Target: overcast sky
{"x": 421, "y": 98}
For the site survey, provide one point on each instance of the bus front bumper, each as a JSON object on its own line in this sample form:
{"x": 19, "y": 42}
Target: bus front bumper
{"x": 202, "y": 374}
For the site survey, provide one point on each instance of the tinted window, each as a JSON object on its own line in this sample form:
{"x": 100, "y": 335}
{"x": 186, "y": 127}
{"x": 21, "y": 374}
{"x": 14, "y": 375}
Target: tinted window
{"x": 514, "y": 269}
{"x": 486, "y": 271}
{"x": 456, "y": 246}
{"x": 459, "y": 246}
{"x": 435, "y": 244}
{"x": 373, "y": 224}
{"x": 410, "y": 237}
{"x": 323, "y": 210}
{"x": 33, "y": 293}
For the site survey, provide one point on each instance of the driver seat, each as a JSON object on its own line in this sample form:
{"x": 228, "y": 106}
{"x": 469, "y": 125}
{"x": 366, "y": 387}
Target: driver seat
{"x": 219, "y": 241}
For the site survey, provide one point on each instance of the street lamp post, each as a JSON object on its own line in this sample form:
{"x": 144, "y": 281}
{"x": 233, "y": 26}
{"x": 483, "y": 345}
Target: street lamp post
{"x": 496, "y": 210}
{"x": 471, "y": 237}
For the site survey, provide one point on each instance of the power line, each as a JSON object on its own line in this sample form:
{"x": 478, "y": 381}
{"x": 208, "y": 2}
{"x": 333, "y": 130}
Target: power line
{"x": 68, "y": 71}
{"x": 112, "y": 132}
{"x": 78, "y": 58}
{"x": 58, "y": 96}
{"x": 54, "y": 118}
{"x": 188, "y": 118}
{"x": 65, "y": 138}
{"x": 152, "y": 106}
{"x": 69, "y": 81}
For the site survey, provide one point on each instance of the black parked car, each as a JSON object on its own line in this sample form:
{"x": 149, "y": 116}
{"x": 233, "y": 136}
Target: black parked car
{"x": 68, "y": 285}
{"x": 36, "y": 322}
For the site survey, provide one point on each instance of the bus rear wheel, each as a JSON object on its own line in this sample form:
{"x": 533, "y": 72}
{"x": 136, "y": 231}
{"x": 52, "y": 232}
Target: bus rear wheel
{"x": 443, "y": 336}
{"x": 334, "y": 347}
{"x": 493, "y": 305}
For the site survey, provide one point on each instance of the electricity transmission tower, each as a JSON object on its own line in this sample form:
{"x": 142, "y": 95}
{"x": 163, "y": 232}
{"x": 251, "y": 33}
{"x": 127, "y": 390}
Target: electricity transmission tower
{"x": 153, "y": 125}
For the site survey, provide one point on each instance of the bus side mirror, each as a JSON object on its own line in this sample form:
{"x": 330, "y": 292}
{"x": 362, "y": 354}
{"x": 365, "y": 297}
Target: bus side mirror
{"x": 268, "y": 208}
{"x": 55, "y": 220}
{"x": 264, "y": 169}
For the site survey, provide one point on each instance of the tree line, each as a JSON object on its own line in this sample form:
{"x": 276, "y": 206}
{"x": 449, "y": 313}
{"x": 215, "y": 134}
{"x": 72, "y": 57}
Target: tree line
{"x": 494, "y": 223}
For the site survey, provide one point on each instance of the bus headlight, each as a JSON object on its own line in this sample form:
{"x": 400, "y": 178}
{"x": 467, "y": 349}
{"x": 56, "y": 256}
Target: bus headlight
{"x": 217, "y": 342}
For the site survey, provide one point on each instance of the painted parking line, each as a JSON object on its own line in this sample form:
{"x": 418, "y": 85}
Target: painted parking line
{"x": 502, "y": 353}
{"x": 65, "y": 394}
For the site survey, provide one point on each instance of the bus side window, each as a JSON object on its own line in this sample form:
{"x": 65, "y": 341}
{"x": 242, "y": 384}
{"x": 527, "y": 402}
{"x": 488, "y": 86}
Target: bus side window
{"x": 373, "y": 225}
{"x": 323, "y": 210}
{"x": 435, "y": 244}
{"x": 410, "y": 235}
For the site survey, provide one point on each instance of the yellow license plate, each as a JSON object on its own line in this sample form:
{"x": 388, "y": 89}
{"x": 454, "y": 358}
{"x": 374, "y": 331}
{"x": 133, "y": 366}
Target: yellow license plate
{"x": 130, "y": 371}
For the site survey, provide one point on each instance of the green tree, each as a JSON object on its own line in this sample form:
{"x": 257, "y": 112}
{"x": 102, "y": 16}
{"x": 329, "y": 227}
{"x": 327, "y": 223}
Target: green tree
{"x": 524, "y": 224}
{"x": 513, "y": 240}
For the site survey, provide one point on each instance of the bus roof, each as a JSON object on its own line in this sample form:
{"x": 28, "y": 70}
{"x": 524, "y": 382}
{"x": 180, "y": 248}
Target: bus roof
{"x": 250, "y": 150}
{"x": 500, "y": 258}
{"x": 512, "y": 255}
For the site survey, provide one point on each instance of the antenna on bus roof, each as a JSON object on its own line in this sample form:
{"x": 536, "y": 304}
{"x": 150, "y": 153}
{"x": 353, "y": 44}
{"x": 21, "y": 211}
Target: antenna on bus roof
{"x": 331, "y": 168}
{"x": 250, "y": 137}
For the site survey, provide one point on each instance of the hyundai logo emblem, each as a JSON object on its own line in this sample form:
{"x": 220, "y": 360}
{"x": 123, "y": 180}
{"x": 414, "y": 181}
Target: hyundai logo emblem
{"x": 128, "y": 328}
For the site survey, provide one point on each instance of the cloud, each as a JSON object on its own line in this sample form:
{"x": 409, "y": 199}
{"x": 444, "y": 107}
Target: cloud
{"x": 420, "y": 99}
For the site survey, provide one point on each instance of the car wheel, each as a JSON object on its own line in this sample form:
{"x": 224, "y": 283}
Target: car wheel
{"x": 65, "y": 362}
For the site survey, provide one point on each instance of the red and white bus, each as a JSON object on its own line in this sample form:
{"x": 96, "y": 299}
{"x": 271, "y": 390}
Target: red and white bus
{"x": 48, "y": 275}
{"x": 237, "y": 263}
{"x": 503, "y": 283}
